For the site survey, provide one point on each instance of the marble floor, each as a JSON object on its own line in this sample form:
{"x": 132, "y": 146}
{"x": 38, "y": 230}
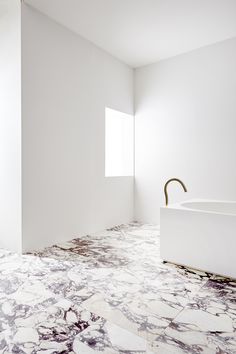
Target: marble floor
{"x": 110, "y": 293}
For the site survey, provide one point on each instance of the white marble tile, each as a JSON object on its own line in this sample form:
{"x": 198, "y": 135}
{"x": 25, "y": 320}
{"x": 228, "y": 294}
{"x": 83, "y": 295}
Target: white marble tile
{"x": 106, "y": 337}
{"x": 206, "y": 324}
{"x": 111, "y": 292}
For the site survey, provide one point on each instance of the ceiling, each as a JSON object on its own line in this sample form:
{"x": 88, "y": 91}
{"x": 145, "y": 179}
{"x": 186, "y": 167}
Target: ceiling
{"x": 140, "y": 32}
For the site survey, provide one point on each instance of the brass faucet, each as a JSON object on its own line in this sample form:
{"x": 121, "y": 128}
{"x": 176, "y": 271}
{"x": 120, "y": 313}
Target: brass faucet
{"x": 165, "y": 188}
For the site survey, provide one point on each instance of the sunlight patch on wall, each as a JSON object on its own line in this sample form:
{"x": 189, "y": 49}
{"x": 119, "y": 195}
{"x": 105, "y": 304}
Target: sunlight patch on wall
{"x": 119, "y": 144}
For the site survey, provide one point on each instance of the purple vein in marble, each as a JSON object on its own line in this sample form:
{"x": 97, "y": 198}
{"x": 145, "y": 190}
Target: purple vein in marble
{"x": 111, "y": 293}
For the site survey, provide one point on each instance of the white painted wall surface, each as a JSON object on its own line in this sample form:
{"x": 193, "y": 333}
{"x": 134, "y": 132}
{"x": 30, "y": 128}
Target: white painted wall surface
{"x": 185, "y": 127}
{"x": 67, "y": 83}
{"x": 10, "y": 125}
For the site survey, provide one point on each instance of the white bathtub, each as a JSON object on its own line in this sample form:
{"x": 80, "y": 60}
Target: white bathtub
{"x": 200, "y": 234}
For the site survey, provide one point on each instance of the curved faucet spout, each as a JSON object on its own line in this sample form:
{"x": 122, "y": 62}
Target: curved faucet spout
{"x": 172, "y": 180}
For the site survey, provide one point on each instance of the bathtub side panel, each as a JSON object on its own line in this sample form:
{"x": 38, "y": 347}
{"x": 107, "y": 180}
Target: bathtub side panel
{"x": 199, "y": 240}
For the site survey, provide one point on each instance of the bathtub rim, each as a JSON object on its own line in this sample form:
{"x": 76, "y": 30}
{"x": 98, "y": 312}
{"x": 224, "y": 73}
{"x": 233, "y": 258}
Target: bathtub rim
{"x": 180, "y": 206}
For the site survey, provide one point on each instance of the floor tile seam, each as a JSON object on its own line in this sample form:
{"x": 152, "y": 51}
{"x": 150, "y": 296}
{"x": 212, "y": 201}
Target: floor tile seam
{"x": 183, "y": 309}
{"x": 113, "y": 322}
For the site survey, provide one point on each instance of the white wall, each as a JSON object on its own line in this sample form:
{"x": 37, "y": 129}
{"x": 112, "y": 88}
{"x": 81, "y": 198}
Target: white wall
{"x": 186, "y": 128}
{"x": 10, "y": 125}
{"x": 67, "y": 83}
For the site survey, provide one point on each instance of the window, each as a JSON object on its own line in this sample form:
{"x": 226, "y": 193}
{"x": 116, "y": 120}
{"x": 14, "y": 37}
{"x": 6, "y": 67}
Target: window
{"x": 119, "y": 150}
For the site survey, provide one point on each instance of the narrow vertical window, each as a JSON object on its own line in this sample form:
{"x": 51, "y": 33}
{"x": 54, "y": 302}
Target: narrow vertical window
{"x": 119, "y": 144}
